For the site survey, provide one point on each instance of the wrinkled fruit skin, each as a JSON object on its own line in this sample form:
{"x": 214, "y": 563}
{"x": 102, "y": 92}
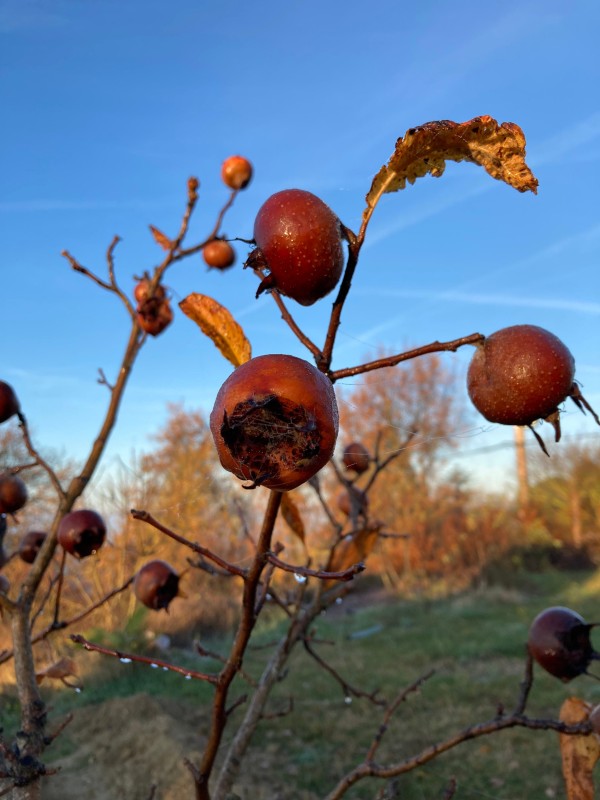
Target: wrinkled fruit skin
{"x": 356, "y": 457}
{"x": 299, "y": 240}
{"x": 218, "y": 254}
{"x": 236, "y": 172}
{"x": 520, "y": 374}
{"x": 30, "y": 545}
{"x": 13, "y": 493}
{"x": 156, "y": 584}
{"x": 81, "y": 533}
{"x": 559, "y": 640}
{"x": 9, "y": 404}
{"x": 275, "y": 422}
{"x": 154, "y": 315}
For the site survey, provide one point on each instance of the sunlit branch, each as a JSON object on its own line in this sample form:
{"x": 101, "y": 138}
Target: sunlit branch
{"x": 344, "y": 575}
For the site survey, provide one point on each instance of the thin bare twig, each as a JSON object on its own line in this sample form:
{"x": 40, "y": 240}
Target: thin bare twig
{"x": 347, "y": 688}
{"x": 144, "y": 516}
{"x": 344, "y": 575}
{"x": 153, "y": 662}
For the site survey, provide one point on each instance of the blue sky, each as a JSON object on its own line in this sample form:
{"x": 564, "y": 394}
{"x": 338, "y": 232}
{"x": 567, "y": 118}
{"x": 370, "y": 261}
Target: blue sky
{"x": 108, "y": 107}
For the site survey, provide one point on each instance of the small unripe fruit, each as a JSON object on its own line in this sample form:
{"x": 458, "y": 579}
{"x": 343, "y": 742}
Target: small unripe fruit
{"x": 30, "y": 545}
{"x": 520, "y": 374}
{"x": 81, "y": 533}
{"x": 13, "y": 493}
{"x": 9, "y": 404}
{"x": 356, "y": 457}
{"x": 559, "y": 640}
{"x": 299, "y": 240}
{"x": 156, "y": 584}
{"x": 218, "y": 254}
{"x": 236, "y": 172}
{"x": 275, "y": 422}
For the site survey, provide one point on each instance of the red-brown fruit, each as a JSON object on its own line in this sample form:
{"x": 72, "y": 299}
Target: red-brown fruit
{"x": 218, "y": 254}
{"x": 141, "y": 291}
{"x": 356, "y": 457}
{"x": 353, "y": 502}
{"x": 275, "y": 422}
{"x": 13, "y": 493}
{"x": 156, "y": 584}
{"x": 236, "y": 172}
{"x": 9, "y": 404}
{"x": 81, "y": 532}
{"x": 30, "y": 545}
{"x": 299, "y": 240}
{"x": 154, "y": 315}
{"x": 520, "y": 374}
{"x": 559, "y": 640}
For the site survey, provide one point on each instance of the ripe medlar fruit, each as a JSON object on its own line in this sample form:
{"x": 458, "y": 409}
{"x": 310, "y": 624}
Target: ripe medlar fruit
{"x": 154, "y": 315}
{"x": 13, "y": 493}
{"x": 9, "y": 404}
{"x": 275, "y": 422}
{"x": 218, "y": 254}
{"x": 81, "y": 532}
{"x": 30, "y": 545}
{"x": 299, "y": 240}
{"x": 522, "y": 374}
{"x": 356, "y": 457}
{"x": 156, "y": 584}
{"x": 559, "y": 640}
{"x": 236, "y": 172}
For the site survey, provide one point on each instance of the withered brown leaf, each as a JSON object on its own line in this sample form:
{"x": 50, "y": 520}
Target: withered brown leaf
{"x": 160, "y": 238}
{"x": 498, "y": 147}
{"x": 579, "y": 753}
{"x": 292, "y": 517}
{"x": 61, "y": 670}
{"x": 218, "y": 324}
{"x": 354, "y": 548}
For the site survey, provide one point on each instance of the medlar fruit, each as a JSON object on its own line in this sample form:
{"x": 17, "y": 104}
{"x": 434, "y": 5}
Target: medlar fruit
{"x": 81, "y": 532}
{"x": 559, "y": 640}
{"x": 156, "y": 584}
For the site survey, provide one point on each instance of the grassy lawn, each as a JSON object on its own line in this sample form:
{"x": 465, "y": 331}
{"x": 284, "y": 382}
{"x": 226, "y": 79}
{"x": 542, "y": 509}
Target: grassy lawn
{"x": 475, "y": 644}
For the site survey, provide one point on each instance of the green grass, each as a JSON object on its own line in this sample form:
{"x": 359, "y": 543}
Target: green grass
{"x": 474, "y": 642}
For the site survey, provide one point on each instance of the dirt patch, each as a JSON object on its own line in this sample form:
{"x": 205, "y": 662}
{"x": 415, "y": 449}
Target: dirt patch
{"x": 123, "y": 747}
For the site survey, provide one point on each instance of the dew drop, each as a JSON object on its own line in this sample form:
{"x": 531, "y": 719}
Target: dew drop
{"x": 165, "y": 669}
{"x": 125, "y": 660}
{"x": 154, "y": 666}
{"x": 268, "y": 596}
{"x": 338, "y": 601}
{"x": 188, "y": 677}
{"x": 300, "y": 578}
{"x": 78, "y": 689}
{"x": 347, "y": 700}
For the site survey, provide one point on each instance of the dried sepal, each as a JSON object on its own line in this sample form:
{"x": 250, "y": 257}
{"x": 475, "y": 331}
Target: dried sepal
{"x": 498, "y": 147}
{"x": 218, "y": 324}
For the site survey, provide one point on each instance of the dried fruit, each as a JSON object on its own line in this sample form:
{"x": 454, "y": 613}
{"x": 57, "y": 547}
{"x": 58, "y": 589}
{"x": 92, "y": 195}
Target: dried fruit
{"x": 156, "y": 584}
{"x": 275, "y": 422}
{"x": 154, "y": 315}
{"x": 30, "y": 545}
{"x": 522, "y": 374}
{"x": 356, "y": 457}
{"x": 218, "y": 254}
{"x": 9, "y": 404}
{"x": 559, "y": 640}
{"x": 81, "y": 532}
{"x": 13, "y": 493}
{"x": 236, "y": 172}
{"x": 299, "y": 240}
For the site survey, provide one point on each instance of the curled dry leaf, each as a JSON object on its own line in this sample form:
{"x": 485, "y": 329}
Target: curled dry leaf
{"x": 160, "y": 238}
{"x": 579, "y": 753}
{"x": 353, "y": 548}
{"x": 498, "y": 148}
{"x": 217, "y": 323}
{"x": 62, "y": 670}
{"x": 291, "y": 515}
